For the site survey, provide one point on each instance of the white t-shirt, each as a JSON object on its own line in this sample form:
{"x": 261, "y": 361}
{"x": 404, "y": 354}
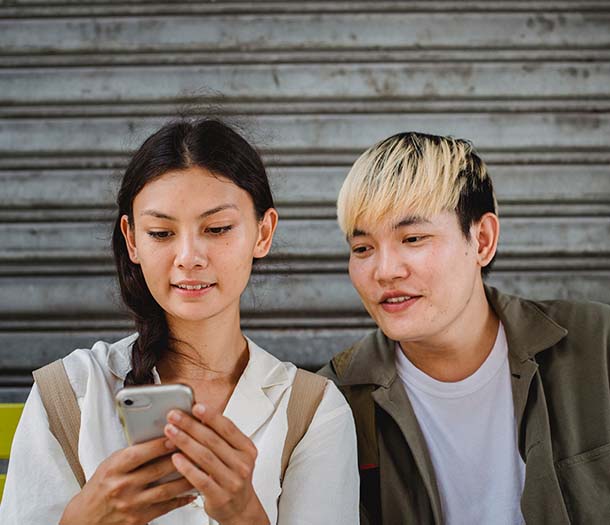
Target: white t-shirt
{"x": 321, "y": 483}
{"x": 470, "y": 429}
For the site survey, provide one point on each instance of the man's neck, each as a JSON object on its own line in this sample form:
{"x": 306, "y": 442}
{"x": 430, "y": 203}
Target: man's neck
{"x": 458, "y": 353}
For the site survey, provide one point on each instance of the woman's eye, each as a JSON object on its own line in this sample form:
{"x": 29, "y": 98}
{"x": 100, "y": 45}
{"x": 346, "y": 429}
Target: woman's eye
{"x": 160, "y": 234}
{"x": 219, "y": 230}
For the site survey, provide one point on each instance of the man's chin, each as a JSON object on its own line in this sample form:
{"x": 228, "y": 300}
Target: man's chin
{"x": 394, "y": 332}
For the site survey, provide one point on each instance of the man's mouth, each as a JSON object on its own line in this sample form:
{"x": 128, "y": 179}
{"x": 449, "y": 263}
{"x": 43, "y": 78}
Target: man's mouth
{"x": 396, "y": 300}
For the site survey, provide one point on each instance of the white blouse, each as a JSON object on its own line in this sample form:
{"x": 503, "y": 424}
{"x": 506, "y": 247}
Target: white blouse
{"x": 321, "y": 483}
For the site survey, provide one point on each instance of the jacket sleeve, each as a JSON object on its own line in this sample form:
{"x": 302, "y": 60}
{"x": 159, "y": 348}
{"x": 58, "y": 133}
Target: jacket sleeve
{"x": 39, "y": 481}
{"x": 321, "y": 484}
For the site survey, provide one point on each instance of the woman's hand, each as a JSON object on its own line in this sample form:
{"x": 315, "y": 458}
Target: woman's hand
{"x": 218, "y": 460}
{"x": 120, "y": 491}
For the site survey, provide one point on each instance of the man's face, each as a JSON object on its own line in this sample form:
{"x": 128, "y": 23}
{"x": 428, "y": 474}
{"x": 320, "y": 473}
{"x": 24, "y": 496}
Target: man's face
{"x": 416, "y": 276}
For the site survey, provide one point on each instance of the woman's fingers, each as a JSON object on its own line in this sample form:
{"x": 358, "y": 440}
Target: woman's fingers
{"x": 159, "y": 509}
{"x": 205, "y": 483}
{"x": 135, "y": 456}
{"x": 206, "y": 436}
{"x": 226, "y": 429}
{"x": 203, "y": 457}
{"x": 166, "y": 491}
{"x": 153, "y": 471}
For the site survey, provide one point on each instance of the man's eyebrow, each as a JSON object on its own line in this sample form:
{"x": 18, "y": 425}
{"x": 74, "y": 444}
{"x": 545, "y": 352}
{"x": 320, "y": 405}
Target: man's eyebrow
{"x": 410, "y": 220}
{"x": 207, "y": 213}
{"x": 356, "y": 233}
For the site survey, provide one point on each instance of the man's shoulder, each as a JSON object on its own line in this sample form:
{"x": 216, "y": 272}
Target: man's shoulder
{"x": 576, "y": 314}
{"x": 580, "y": 318}
{"x": 364, "y": 353}
{"x": 579, "y": 330}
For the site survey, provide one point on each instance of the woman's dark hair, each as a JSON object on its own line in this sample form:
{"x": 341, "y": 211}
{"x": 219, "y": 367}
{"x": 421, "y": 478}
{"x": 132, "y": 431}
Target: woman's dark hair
{"x": 209, "y": 144}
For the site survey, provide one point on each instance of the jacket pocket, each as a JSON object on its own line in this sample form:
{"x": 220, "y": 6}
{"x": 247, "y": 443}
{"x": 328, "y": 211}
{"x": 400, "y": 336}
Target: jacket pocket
{"x": 585, "y": 483}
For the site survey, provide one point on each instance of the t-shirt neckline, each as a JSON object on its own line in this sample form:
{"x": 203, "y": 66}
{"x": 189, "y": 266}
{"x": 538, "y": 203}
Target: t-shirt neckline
{"x": 413, "y": 377}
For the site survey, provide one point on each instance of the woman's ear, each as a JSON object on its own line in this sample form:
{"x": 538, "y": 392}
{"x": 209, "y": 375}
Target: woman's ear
{"x": 130, "y": 239}
{"x": 487, "y": 233}
{"x": 266, "y": 229}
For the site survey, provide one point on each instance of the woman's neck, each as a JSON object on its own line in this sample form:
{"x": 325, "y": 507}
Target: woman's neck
{"x": 213, "y": 350}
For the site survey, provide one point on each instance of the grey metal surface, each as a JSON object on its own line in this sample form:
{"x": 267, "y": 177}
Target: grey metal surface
{"x": 313, "y": 84}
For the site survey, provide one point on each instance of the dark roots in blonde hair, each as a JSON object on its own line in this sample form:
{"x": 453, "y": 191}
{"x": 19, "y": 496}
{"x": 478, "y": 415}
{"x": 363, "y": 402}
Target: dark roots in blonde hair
{"x": 423, "y": 173}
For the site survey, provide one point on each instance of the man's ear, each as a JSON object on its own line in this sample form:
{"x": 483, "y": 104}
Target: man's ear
{"x": 486, "y": 233}
{"x": 130, "y": 239}
{"x": 266, "y": 229}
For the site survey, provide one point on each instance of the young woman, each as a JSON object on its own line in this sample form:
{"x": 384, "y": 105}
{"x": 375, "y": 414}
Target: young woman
{"x": 195, "y": 211}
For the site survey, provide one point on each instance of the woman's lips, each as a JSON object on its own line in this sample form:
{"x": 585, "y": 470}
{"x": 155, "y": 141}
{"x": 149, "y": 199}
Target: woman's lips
{"x": 192, "y": 290}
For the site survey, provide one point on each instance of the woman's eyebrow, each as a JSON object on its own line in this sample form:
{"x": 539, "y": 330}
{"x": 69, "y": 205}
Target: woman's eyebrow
{"x": 217, "y": 209}
{"x": 207, "y": 213}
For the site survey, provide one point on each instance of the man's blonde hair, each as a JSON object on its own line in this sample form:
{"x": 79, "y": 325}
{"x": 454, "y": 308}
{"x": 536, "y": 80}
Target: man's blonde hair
{"x": 417, "y": 174}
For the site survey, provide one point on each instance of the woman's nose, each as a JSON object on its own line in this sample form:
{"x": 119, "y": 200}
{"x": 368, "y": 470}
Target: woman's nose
{"x": 191, "y": 253}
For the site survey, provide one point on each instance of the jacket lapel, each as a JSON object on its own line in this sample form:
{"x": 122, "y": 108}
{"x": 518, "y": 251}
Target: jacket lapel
{"x": 530, "y": 331}
{"x": 373, "y": 362}
{"x": 395, "y": 402}
{"x": 249, "y": 406}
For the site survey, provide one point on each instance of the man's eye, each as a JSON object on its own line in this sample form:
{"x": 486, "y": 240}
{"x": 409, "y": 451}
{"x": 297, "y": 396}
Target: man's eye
{"x": 359, "y": 249}
{"x": 219, "y": 230}
{"x": 160, "y": 234}
{"x": 413, "y": 239}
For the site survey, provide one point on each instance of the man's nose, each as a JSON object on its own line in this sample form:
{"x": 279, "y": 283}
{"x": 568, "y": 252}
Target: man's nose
{"x": 390, "y": 266}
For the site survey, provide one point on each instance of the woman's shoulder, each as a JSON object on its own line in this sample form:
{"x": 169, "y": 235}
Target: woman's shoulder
{"x": 272, "y": 370}
{"x": 108, "y": 361}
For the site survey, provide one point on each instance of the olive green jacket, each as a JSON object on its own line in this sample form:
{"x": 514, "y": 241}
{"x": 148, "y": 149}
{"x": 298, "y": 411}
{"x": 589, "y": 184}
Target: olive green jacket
{"x": 559, "y": 357}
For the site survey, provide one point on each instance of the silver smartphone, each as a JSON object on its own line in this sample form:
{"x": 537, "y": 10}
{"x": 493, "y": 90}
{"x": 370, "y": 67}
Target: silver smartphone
{"x": 143, "y": 409}
{"x": 143, "y": 412}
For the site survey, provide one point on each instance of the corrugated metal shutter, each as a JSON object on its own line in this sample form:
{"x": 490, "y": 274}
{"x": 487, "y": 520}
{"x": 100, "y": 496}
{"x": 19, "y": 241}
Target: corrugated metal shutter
{"x": 81, "y": 84}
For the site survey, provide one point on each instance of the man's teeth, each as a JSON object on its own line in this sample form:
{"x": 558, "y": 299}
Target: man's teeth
{"x": 194, "y": 286}
{"x": 393, "y": 300}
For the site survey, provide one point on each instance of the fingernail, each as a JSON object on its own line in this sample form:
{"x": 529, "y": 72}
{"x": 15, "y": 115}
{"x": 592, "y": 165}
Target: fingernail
{"x": 174, "y": 416}
{"x": 199, "y": 409}
{"x": 171, "y": 429}
{"x": 169, "y": 445}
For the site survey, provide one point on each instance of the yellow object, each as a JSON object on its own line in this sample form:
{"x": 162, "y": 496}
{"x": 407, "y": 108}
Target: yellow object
{"x": 9, "y": 417}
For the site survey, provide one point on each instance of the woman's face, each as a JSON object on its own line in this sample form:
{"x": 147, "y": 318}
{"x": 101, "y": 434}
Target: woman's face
{"x": 195, "y": 235}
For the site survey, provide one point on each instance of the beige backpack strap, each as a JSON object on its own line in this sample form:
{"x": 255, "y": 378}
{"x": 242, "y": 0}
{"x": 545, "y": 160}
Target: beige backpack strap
{"x": 307, "y": 392}
{"x": 63, "y": 412}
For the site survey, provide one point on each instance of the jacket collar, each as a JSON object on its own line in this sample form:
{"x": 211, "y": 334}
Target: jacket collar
{"x": 528, "y": 331}
{"x": 250, "y": 405}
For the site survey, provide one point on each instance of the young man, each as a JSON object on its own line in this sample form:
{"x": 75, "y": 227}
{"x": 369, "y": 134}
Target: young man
{"x": 471, "y": 406}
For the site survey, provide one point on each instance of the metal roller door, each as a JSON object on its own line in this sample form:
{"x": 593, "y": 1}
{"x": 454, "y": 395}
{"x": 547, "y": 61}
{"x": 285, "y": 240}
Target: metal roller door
{"x": 82, "y": 83}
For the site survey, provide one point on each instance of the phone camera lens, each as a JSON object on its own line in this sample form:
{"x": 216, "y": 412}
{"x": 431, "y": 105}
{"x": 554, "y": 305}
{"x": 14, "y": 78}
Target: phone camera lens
{"x": 128, "y": 402}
